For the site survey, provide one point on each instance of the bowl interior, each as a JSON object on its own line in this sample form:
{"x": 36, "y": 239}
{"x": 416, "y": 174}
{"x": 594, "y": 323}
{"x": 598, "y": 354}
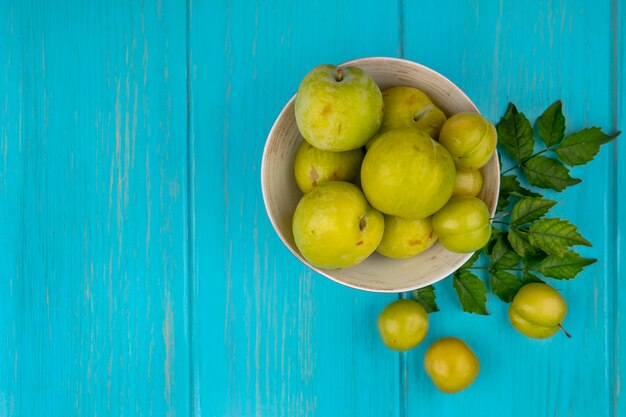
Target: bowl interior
{"x": 281, "y": 193}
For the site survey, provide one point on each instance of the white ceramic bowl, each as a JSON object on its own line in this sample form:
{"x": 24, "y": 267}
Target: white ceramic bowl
{"x": 281, "y": 194}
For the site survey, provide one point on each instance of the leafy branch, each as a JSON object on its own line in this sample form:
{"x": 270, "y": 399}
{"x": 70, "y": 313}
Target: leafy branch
{"x": 526, "y": 246}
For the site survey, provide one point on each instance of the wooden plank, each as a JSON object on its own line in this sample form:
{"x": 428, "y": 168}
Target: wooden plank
{"x": 92, "y": 191}
{"x": 269, "y": 337}
{"x": 531, "y": 54}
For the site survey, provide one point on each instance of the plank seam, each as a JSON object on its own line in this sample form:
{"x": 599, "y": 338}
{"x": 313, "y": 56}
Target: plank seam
{"x": 614, "y": 270}
{"x": 190, "y": 223}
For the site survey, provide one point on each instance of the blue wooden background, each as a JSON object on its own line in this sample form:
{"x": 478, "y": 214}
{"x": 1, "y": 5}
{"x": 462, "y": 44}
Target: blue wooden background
{"x": 139, "y": 274}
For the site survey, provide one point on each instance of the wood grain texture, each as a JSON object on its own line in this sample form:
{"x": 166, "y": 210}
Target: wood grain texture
{"x": 92, "y": 176}
{"x": 532, "y": 55}
{"x": 270, "y": 337}
{"x": 140, "y": 274}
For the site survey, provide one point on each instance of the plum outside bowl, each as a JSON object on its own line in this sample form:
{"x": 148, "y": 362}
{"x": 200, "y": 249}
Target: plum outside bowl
{"x": 281, "y": 194}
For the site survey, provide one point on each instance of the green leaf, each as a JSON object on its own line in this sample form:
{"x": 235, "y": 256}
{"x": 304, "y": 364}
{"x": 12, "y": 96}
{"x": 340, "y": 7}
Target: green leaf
{"x": 554, "y": 236}
{"x": 548, "y": 173}
{"x": 609, "y": 138}
{"x": 503, "y": 202}
{"x": 505, "y": 285}
{"x": 427, "y": 298}
{"x": 495, "y": 234}
{"x": 503, "y": 256}
{"x": 528, "y": 278}
{"x": 471, "y": 291}
{"x": 580, "y": 147}
{"x": 515, "y": 134}
{"x": 531, "y": 260}
{"x": 564, "y": 266}
{"x": 551, "y": 124}
{"x": 519, "y": 242}
{"x": 528, "y": 210}
{"x": 509, "y": 184}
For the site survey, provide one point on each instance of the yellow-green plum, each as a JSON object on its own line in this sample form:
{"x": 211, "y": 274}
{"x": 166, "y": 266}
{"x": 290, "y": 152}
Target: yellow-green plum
{"x": 369, "y": 144}
{"x": 402, "y": 324}
{"x": 338, "y": 109}
{"x": 335, "y": 227}
{"x": 468, "y": 182}
{"x": 407, "y": 174}
{"x": 470, "y": 138}
{"x": 537, "y": 310}
{"x": 313, "y": 166}
{"x": 463, "y": 224}
{"x": 451, "y": 365}
{"x": 409, "y": 107}
{"x": 405, "y": 238}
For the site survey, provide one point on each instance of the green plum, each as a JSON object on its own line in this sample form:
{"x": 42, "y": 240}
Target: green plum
{"x": 409, "y": 107}
{"x": 537, "y": 310}
{"x": 402, "y": 325}
{"x": 335, "y": 227}
{"x": 451, "y": 365}
{"x": 468, "y": 182}
{"x": 338, "y": 109}
{"x": 405, "y": 238}
{"x": 463, "y": 224}
{"x": 407, "y": 174}
{"x": 374, "y": 138}
{"x": 313, "y": 166}
{"x": 470, "y": 138}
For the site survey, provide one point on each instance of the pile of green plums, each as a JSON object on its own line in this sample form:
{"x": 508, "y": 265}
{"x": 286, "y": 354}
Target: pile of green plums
{"x": 385, "y": 171}
{"x": 537, "y": 311}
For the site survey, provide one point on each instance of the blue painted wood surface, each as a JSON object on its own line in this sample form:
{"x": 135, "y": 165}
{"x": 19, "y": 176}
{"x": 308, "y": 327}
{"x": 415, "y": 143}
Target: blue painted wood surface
{"x": 140, "y": 275}
{"x": 93, "y": 202}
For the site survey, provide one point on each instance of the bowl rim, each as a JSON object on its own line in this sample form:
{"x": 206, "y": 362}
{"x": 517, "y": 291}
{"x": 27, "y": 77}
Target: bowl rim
{"x": 323, "y": 272}
{"x": 413, "y": 63}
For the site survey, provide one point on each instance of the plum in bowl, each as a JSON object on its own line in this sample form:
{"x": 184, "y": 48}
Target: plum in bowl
{"x": 281, "y": 193}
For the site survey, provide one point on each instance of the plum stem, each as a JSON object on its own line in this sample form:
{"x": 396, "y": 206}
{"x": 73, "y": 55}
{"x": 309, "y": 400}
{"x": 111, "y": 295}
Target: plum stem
{"x": 362, "y": 223}
{"x": 339, "y": 76}
{"x": 417, "y": 116}
{"x": 501, "y": 215}
{"x": 569, "y": 336}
